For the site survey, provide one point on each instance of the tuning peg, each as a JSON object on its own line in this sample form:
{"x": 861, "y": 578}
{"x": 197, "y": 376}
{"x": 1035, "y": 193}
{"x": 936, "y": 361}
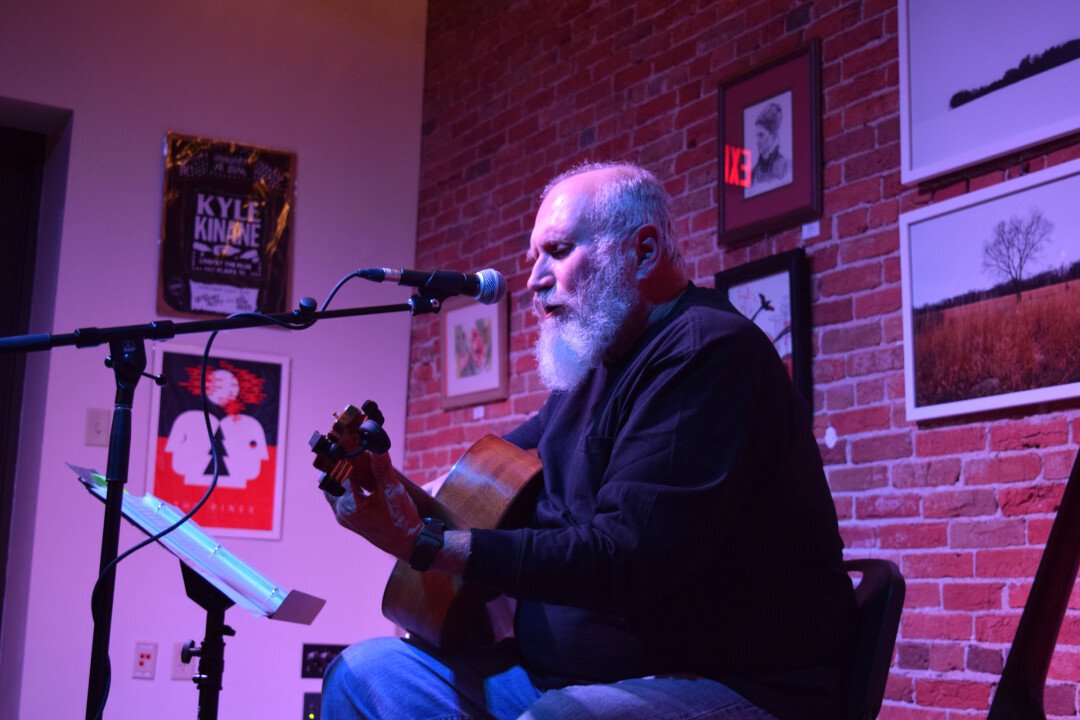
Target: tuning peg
{"x": 322, "y": 445}
{"x": 329, "y": 485}
{"x": 371, "y": 409}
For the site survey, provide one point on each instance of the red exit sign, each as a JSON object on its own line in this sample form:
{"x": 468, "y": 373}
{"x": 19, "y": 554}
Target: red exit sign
{"x": 737, "y": 165}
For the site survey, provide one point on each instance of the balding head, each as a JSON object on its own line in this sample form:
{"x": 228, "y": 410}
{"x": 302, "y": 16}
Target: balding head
{"x": 623, "y": 197}
{"x": 604, "y": 265}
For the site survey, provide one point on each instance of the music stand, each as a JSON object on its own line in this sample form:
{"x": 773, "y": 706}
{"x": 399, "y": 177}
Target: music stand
{"x": 214, "y": 578}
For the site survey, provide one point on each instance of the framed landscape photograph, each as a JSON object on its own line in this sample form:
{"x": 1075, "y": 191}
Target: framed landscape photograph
{"x": 775, "y": 294}
{"x": 770, "y": 146}
{"x": 991, "y": 296}
{"x": 972, "y": 91}
{"x": 247, "y": 396}
{"x": 474, "y": 352}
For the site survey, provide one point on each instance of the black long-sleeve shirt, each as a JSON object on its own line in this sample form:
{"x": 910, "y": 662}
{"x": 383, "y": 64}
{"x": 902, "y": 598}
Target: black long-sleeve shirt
{"x": 684, "y": 525}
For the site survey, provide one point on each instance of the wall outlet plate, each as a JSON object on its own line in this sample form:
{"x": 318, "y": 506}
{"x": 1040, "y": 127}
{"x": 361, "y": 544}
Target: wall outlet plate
{"x": 145, "y": 660}
{"x": 180, "y": 669}
{"x": 316, "y": 657}
{"x": 98, "y": 426}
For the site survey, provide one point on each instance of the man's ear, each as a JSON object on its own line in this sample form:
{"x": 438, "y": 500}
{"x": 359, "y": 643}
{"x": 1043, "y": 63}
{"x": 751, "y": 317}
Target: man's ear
{"x": 646, "y": 250}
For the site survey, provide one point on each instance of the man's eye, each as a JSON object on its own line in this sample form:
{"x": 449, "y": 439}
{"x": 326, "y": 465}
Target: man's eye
{"x": 560, "y": 251}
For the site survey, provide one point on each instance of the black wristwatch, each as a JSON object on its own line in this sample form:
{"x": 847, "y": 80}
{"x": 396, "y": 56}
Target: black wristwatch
{"x": 428, "y": 544}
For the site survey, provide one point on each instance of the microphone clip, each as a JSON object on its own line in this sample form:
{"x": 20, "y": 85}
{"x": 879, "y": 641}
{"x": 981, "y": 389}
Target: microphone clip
{"x": 423, "y": 303}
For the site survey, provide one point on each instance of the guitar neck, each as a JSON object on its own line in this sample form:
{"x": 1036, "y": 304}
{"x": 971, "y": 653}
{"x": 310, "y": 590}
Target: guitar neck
{"x": 428, "y": 506}
{"x": 1020, "y": 693}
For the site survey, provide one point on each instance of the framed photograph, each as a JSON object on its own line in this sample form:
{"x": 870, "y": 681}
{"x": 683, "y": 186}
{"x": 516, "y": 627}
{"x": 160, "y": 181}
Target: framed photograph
{"x": 248, "y": 401}
{"x": 226, "y": 228}
{"x": 775, "y": 294}
{"x": 475, "y": 352}
{"x": 971, "y": 91}
{"x": 991, "y": 296}
{"x": 770, "y": 146}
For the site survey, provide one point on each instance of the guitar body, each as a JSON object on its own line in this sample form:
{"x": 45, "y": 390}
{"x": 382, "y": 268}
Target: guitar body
{"x": 493, "y": 486}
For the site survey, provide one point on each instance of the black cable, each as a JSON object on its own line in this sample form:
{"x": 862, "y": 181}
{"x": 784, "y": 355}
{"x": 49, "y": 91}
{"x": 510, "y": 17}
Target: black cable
{"x": 342, "y": 281}
{"x": 299, "y": 324}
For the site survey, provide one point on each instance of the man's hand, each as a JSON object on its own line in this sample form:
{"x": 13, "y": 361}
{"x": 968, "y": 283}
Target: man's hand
{"x": 387, "y": 516}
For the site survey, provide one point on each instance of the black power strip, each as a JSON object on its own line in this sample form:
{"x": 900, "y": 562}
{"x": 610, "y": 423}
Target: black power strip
{"x": 315, "y": 658}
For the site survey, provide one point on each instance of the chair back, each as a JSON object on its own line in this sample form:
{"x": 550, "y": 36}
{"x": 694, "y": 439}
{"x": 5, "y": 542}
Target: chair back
{"x": 879, "y": 597}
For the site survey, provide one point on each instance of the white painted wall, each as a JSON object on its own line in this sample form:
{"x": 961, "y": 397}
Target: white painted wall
{"x": 337, "y": 82}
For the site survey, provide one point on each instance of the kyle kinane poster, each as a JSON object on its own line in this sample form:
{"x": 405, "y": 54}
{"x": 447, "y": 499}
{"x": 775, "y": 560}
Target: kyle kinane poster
{"x": 226, "y": 228}
{"x": 247, "y": 397}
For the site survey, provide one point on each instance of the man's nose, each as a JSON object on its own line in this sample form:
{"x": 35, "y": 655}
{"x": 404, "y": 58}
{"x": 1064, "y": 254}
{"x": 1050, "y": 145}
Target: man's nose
{"x": 540, "y": 278}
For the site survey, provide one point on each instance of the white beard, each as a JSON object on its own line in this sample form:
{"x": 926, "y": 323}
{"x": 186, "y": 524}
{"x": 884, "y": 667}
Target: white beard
{"x": 573, "y": 343}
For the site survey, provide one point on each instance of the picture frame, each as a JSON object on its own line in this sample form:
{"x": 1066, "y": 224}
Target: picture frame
{"x": 474, "y": 352}
{"x": 973, "y": 91}
{"x": 775, "y": 294}
{"x": 979, "y": 336}
{"x": 770, "y": 146}
{"x": 247, "y": 396}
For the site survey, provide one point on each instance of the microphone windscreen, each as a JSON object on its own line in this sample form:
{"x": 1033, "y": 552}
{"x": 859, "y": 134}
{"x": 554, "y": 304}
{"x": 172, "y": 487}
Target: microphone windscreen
{"x": 492, "y": 286}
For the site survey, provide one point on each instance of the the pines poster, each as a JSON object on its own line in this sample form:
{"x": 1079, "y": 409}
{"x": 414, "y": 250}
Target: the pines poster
{"x": 247, "y": 397}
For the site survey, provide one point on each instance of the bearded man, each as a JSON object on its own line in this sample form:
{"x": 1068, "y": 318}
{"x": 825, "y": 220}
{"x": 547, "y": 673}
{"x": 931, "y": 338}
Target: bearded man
{"x": 684, "y": 558}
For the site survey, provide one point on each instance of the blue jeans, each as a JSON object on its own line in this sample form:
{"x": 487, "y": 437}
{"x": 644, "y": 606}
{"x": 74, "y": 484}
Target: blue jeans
{"x": 392, "y": 679}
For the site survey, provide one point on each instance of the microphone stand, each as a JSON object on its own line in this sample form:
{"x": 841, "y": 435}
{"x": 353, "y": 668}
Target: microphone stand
{"x": 127, "y": 347}
{"x": 211, "y": 653}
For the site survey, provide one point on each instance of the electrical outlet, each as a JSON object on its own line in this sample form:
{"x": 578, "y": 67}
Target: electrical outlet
{"x": 312, "y": 706}
{"x": 316, "y": 658}
{"x": 145, "y": 660}
{"x": 182, "y": 670}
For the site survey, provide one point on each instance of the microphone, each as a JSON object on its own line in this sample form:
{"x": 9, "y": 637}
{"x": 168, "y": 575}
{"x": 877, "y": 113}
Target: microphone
{"x": 487, "y": 286}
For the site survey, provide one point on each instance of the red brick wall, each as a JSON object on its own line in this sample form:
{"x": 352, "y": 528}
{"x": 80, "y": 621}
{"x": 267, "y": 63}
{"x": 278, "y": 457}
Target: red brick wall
{"x": 516, "y": 91}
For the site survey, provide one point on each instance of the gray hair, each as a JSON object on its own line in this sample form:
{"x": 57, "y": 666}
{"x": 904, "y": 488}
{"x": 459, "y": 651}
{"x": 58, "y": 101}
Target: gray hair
{"x": 625, "y": 200}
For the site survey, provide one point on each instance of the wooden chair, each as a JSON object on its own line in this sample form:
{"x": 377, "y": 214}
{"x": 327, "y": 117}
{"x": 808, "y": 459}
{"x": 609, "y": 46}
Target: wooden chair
{"x": 879, "y": 597}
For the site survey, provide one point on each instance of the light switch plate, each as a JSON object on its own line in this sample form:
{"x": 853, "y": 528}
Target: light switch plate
{"x": 98, "y": 424}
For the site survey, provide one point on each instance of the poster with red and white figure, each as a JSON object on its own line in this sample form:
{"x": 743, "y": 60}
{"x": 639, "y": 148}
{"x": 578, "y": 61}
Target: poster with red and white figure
{"x": 247, "y": 399}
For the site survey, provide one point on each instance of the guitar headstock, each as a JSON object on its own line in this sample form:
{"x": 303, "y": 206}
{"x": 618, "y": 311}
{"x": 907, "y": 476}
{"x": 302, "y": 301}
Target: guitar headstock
{"x": 341, "y": 451}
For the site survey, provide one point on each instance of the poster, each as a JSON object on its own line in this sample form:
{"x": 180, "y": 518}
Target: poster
{"x": 247, "y": 397}
{"x": 226, "y": 230}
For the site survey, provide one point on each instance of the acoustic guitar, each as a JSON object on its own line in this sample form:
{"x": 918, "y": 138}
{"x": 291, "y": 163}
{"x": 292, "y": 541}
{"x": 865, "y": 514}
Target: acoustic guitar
{"x": 493, "y": 485}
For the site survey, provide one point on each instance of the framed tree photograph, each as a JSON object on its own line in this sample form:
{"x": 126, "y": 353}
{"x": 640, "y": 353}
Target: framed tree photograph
{"x": 474, "y": 352}
{"x": 770, "y": 146}
{"x": 991, "y": 296}
{"x": 247, "y": 396}
{"x": 972, "y": 91}
{"x": 775, "y": 294}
